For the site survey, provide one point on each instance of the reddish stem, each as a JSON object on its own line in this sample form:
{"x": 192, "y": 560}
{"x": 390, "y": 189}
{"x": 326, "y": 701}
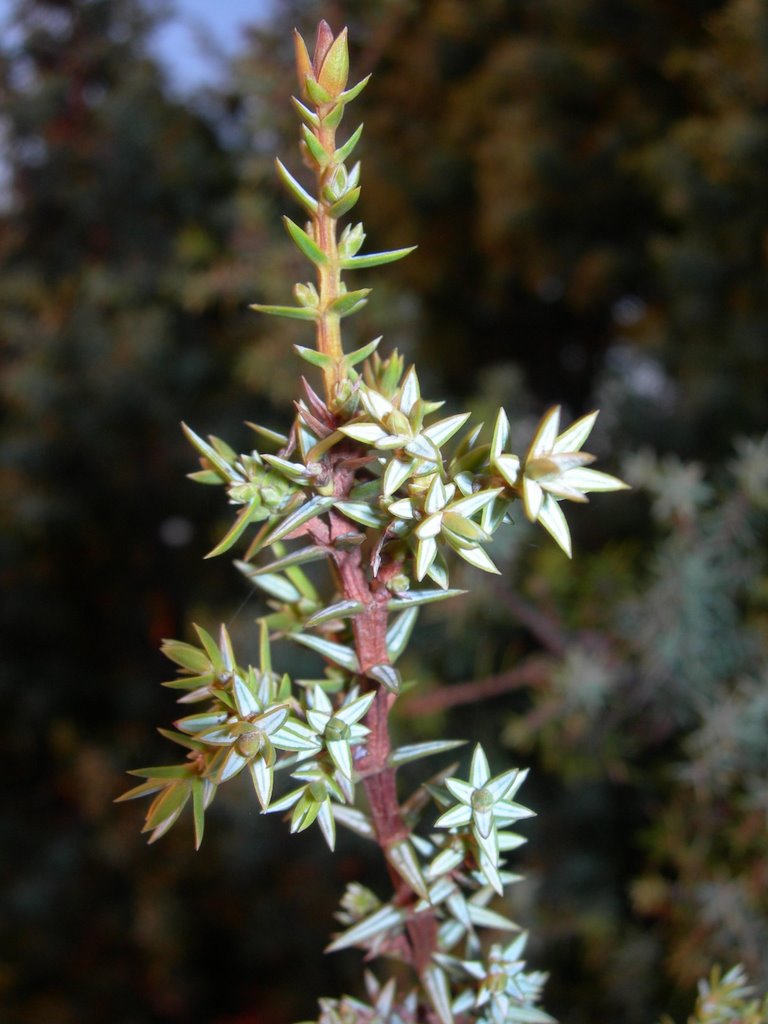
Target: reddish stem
{"x": 377, "y": 776}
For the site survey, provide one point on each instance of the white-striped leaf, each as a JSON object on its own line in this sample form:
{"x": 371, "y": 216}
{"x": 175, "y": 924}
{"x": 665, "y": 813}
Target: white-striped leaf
{"x": 314, "y": 507}
{"x": 341, "y": 610}
{"x": 377, "y": 924}
{"x": 399, "y": 633}
{"x": 339, "y": 654}
{"x": 413, "y": 751}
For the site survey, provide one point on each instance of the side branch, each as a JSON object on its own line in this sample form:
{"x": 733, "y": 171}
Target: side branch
{"x": 531, "y": 672}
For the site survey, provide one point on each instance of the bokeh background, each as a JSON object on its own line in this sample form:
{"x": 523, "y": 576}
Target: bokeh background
{"x": 587, "y": 181}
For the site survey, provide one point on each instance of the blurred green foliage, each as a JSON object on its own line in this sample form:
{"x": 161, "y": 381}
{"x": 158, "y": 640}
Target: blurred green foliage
{"x": 588, "y": 184}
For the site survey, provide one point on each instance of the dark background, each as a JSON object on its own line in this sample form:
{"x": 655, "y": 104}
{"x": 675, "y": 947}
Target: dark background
{"x": 587, "y": 181}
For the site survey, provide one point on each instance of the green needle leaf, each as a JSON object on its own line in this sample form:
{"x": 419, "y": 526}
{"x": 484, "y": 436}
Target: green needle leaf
{"x": 378, "y": 924}
{"x": 439, "y": 992}
{"x": 311, "y": 355}
{"x": 402, "y": 857}
{"x": 291, "y": 312}
{"x": 354, "y": 91}
{"x": 237, "y": 529}
{"x": 387, "y": 675}
{"x": 441, "y": 431}
{"x": 270, "y": 435}
{"x": 164, "y": 772}
{"x": 303, "y": 555}
{"x": 361, "y": 512}
{"x": 490, "y": 919}
{"x": 296, "y": 472}
{"x": 395, "y": 475}
{"x": 345, "y": 151}
{"x": 145, "y": 789}
{"x": 333, "y": 118}
{"x": 354, "y": 820}
{"x": 209, "y": 452}
{"x": 554, "y": 522}
{"x": 327, "y": 823}
{"x": 314, "y": 146}
{"x": 414, "y": 751}
{"x": 308, "y": 115}
{"x": 339, "y": 654}
{"x": 341, "y": 610}
{"x": 186, "y": 656}
{"x": 375, "y": 259}
{"x": 273, "y": 584}
{"x": 412, "y": 598}
{"x": 345, "y": 204}
{"x": 183, "y": 741}
{"x": 317, "y": 93}
{"x": 308, "y": 246}
{"x": 309, "y": 510}
{"x": 198, "y": 807}
{"x": 262, "y": 779}
{"x": 399, "y": 633}
{"x": 211, "y": 649}
{"x": 296, "y": 190}
{"x": 360, "y": 354}
{"x": 349, "y": 302}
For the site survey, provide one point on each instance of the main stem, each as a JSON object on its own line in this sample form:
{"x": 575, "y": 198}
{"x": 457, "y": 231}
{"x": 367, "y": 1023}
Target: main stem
{"x": 370, "y": 626}
{"x": 328, "y": 275}
{"x": 374, "y": 770}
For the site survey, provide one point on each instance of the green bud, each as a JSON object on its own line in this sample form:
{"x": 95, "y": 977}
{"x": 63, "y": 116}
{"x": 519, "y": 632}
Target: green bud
{"x": 250, "y": 743}
{"x": 270, "y": 491}
{"x": 383, "y": 375}
{"x": 540, "y": 468}
{"x": 272, "y": 496}
{"x": 359, "y": 902}
{"x": 306, "y": 295}
{"x": 482, "y": 800}
{"x": 399, "y": 584}
{"x": 396, "y": 422}
{"x": 337, "y": 730}
{"x": 351, "y": 240}
{"x": 337, "y": 185}
{"x": 346, "y": 399}
{"x": 496, "y": 982}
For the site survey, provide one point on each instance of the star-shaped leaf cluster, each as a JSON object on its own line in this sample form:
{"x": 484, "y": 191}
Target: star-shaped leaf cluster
{"x": 485, "y": 806}
{"x": 498, "y": 985}
{"x": 250, "y": 716}
{"x": 261, "y": 491}
{"x": 396, "y": 424}
{"x": 385, "y": 1006}
{"x": 334, "y": 731}
{"x": 432, "y": 513}
{"x": 555, "y": 468}
{"x": 339, "y": 729}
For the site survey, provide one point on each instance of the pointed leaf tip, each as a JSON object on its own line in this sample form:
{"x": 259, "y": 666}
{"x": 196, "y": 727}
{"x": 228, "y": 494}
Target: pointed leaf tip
{"x": 292, "y": 312}
{"x": 303, "y": 62}
{"x": 306, "y": 245}
{"x": 323, "y": 43}
{"x": 295, "y": 188}
{"x": 334, "y": 71}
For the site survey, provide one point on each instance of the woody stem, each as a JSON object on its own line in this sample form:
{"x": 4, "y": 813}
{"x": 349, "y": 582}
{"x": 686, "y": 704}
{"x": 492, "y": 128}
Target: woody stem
{"x": 377, "y": 775}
